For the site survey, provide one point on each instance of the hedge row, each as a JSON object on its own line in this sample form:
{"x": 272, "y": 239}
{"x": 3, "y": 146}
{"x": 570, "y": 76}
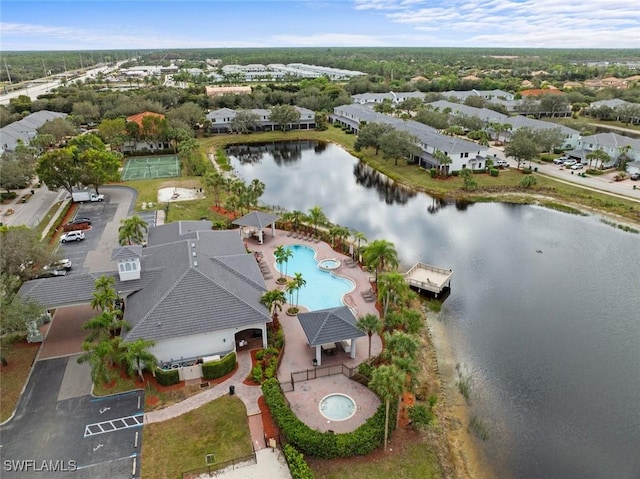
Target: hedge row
{"x": 325, "y": 445}
{"x": 167, "y": 377}
{"x": 217, "y": 369}
{"x": 298, "y": 467}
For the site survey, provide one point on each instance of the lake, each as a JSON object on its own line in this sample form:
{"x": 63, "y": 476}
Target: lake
{"x": 543, "y": 315}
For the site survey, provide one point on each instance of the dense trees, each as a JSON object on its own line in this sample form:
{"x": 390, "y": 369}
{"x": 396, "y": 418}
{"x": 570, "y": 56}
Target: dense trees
{"x": 284, "y": 116}
{"x": 522, "y": 146}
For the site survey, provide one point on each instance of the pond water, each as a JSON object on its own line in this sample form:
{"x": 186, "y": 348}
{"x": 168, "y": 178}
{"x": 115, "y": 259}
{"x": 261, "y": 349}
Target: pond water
{"x": 543, "y": 314}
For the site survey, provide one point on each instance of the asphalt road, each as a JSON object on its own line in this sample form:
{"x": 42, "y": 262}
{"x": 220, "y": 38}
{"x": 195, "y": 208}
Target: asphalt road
{"x": 60, "y": 431}
{"x": 603, "y": 183}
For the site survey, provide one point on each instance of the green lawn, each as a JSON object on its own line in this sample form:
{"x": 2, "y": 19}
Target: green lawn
{"x": 179, "y": 445}
{"x": 414, "y": 460}
{"x": 13, "y": 377}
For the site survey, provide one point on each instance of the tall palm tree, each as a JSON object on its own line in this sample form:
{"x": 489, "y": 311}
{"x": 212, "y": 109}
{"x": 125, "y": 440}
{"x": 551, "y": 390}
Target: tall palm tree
{"x": 393, "y": 289}
{"x": 360, "y": 238}
{"x": 136, "y": 355}
{"x": 380, "y": 254}
{"x": 369, "y": 323}
{"x": 387, "y": 381}
{"x": 132, "y": 230}
{"x": 317, "y": 217}
{"x": 399, "y": 344}
{"x": 104, "y": 296}
{"x": 299, "y": 282}
{"x": 273, "y": 300}
{"x": 283, "y": 255}
{"x": 296, "y": 218}
{"x": 105, "y": 325}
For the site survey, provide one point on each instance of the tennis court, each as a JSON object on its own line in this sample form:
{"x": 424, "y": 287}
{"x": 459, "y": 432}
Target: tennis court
{"x": 146, "y": 167}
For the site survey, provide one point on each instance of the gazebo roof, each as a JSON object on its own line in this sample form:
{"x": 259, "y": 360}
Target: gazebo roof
{"x": 256, "y": 219}
{"x": 329, "y": 325}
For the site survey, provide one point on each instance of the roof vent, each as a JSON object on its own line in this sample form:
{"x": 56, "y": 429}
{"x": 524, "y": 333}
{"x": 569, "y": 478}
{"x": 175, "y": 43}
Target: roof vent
{"x": 193, "y": 245}
{"x": 193, "y": 253}
{"x": 195, "y": 263}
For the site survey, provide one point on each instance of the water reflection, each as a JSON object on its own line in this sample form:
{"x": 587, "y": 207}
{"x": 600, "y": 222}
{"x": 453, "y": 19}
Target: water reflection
{"x": 283, "y": 153}
{"x": 387, "y": 189}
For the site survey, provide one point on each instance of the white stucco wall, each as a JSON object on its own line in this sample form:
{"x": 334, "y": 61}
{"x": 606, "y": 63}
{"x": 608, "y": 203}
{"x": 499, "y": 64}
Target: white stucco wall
{"x": 198, "y": 345}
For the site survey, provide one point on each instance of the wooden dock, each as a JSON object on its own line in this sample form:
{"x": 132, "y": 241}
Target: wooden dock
{"x": 428, "y": 278}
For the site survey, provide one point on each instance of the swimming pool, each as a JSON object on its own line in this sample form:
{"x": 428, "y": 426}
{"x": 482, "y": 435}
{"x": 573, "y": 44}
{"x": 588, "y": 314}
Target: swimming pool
{"x": 323, "y": 289}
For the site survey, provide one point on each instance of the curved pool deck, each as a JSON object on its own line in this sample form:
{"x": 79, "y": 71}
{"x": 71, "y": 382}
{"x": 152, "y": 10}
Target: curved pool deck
{"x": 298, "y": 356}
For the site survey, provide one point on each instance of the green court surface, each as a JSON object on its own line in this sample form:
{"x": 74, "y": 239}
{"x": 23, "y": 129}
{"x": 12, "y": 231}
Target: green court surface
{"x": 146, "y": 167}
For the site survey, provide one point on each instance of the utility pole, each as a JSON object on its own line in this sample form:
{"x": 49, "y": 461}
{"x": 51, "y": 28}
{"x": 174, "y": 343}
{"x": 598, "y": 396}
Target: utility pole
{"x": 44, "y": 68}
{"x": 8, "y": 74}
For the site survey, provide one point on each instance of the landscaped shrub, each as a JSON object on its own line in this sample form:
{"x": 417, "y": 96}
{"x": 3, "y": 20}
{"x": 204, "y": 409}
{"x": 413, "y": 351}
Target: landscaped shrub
{"x": 479, "y": 171}
{"x": 256, "y": 374}
{"x": 325, "y": 445}
{"x": 8, "y": 195}
{"x": 527, "y": 170}
{"x": 494, "y": 171}
{"x": 217, "y": 369}
{"x": 167, "y": 377}
{"x": 455, "y": 173}
{"x": 433, "y": 172}
{"x": 297, "y": 465}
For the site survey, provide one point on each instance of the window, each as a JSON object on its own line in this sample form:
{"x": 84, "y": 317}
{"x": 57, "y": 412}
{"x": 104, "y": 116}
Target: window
{"x": 134, "y": 266}
{"x": 127, "y": 266}
{"x": 464, "y": 166}
{"x": 121, "y": 266}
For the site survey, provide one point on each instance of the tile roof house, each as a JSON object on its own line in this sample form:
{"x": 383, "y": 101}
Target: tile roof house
{"x": 23, "y": 130}
{"x": 191, "y": 290}
{"x": 148, "y": 144}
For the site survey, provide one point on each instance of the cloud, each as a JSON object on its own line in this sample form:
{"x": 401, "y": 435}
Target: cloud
{"x": 528, "y": 23}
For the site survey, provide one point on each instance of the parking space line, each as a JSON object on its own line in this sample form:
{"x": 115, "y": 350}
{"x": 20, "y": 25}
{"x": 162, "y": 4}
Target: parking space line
{"x": 113, "y": 425}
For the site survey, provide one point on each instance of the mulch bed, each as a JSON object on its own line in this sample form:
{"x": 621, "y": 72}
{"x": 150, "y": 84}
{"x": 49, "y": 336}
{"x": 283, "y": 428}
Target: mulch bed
{"x": 226, "y": 213}
{"x": 268, "y": 424}
{"x": 248, "y": 380}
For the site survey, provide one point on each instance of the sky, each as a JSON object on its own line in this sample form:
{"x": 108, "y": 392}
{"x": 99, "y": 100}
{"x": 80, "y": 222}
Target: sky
{"x": 159, "y": 24}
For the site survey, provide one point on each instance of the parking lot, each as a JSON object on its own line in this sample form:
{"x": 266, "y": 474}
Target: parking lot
{"x": 61, "y": 431}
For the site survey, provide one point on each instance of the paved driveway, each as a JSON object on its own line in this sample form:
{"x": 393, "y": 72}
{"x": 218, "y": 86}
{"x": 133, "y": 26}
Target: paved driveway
{"x": 61, "y": 431}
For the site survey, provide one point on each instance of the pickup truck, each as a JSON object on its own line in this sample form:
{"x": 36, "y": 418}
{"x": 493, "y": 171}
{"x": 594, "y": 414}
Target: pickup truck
{"x": 82, "y": 196}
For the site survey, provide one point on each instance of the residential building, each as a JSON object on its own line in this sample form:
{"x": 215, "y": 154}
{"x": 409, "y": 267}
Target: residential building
{"x": 612, "y": 144}
{"x": 22, "y": 131}
{"x": 462, "y": 153}
{"x": 221, "y": 120}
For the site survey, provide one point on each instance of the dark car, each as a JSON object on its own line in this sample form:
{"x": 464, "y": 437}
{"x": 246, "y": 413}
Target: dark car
{"x": 77, "y": 224}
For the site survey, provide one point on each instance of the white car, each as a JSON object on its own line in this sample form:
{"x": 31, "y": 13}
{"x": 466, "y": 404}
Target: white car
{"x": 577, "y": 166}
{"x": 560, "y": 161}
{"x": 569, "y": 162}
{"x": 72, "y": 236}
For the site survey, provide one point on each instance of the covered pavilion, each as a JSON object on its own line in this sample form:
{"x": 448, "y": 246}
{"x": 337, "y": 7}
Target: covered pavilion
{"x": 253, "y": 223}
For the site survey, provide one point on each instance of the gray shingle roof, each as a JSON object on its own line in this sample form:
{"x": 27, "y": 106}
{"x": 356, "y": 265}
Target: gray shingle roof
{"x": 197, "y": 281}
{"x": 26, "y": 128}
{"x": 256, "y": 219}
{"x": 127, "y": 252}
{"x": 329, "y": 325}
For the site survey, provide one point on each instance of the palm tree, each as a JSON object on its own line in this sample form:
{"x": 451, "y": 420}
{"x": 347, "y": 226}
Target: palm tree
{"x": 96, "y": 355}
{"x": 296, "y": 218}
{"x": 136, "y": 355}
{"x": 387, "y": 381}
{"x": 360, "y": 238}
{"x": 273, "y": 300}
{"x": 104, "y": 325}
{"x": 369, "y": 323}
{"x": 299, "y": 282}
{"x": 283, "y": 255}
{"x": 380, "y": 254}
{"x": 317, "y": 217}
{"x": 401, "y": 345}
{"x": 442, "y": 160}
{"x": 132, "y": 230}
{"x": 104, "y": 296}
{"x": 392, "y": 288}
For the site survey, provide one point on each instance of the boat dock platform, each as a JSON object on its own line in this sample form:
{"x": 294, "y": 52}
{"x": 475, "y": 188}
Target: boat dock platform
{"x": 428, "y": 278}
